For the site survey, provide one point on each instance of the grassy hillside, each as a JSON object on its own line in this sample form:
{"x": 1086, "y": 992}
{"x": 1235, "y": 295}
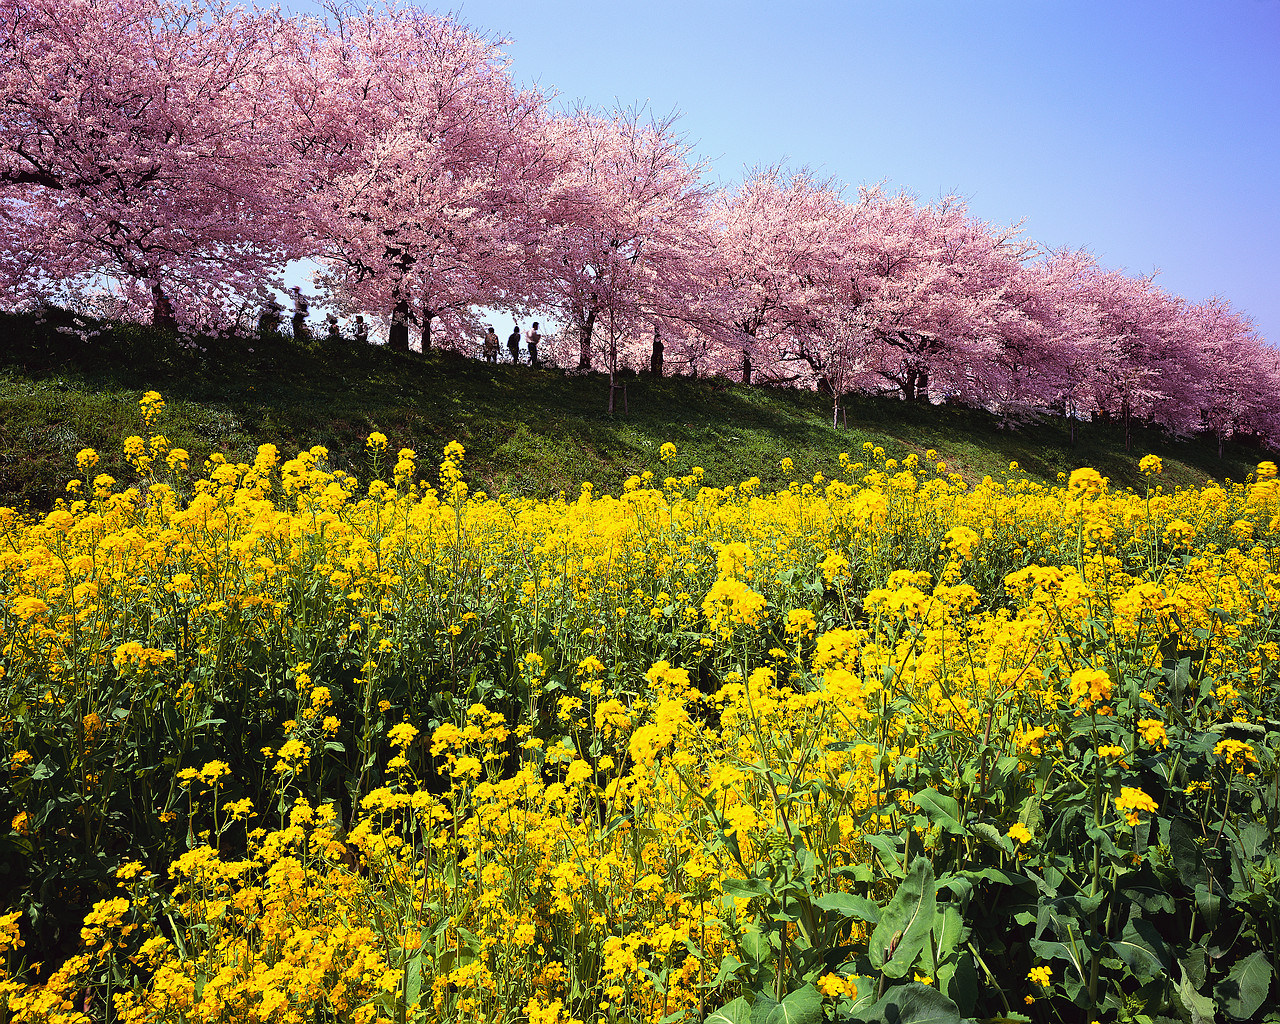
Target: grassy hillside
{"x": 66, "y": 384}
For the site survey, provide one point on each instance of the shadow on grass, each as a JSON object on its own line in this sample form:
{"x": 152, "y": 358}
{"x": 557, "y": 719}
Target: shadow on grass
{"x": 63, "y": 386}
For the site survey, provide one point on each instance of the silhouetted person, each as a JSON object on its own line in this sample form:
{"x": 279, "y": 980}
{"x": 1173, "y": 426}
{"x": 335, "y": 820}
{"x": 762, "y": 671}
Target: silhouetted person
{"x": 271, "y": 317}
{"x": 300, "y": 310}
{"x": 513, "y": 344}
{"x": 332, "y": 329}
{"x": 531, "y": 339}
{"x": 491, "y": 345}
{"x": 362, "y": 330}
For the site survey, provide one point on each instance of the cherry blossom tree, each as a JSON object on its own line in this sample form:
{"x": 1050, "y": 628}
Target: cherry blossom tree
{"x": 1048, "y": 349}
{"x": 1234, "y": 373}
{"x": 776, "y": 240}
{"x": 1139, "y": 367}
{"x": 423, "y": 167}
{"x": 136, "y": 136}
{"x": 624, "y": 247}
{"x": 928, "y": 282}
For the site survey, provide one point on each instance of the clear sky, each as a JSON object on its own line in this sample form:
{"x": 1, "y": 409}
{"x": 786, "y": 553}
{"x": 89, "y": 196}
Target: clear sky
{"x": 1146, "y": 132}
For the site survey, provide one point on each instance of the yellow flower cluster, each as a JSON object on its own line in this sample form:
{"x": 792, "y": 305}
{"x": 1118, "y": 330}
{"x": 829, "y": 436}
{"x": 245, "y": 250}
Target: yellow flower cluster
{"x": 624, "y": 702}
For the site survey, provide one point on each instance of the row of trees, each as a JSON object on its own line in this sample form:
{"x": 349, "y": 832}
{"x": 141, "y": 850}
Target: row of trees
{"x": 186, "y": 152}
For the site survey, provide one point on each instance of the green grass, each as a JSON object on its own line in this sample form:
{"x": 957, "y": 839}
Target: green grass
{"x": 526, "y": 431}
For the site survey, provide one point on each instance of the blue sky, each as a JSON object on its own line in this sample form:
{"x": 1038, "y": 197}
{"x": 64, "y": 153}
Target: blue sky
{"x": 1148, "y": 133}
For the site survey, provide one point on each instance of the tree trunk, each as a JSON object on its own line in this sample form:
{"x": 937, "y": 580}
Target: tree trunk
{"x": 398, "y": 338}
{"x": 585, "y": 327}
{"x": 613, "y": 365}
{"x": 655, "y": 358}
{"x": 746, "y": 367}
{"x": 1127, "y": 416}
{"x": 427, "y": 317}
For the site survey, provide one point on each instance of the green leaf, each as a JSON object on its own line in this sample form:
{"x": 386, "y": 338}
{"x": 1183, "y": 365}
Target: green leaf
{"x": 1142, "y": 949}
{"x": 1186, "y": 852}
{"x": 754, "y": 944}
{"x": 1030, "y": 813}
{"x": 948, "y": 931}
{"x": 1208, "y": 905}
{"x": 958, "y": 980}
{"x": 803, "y": 1006}
{"x": 913, "y": 1004}
{"x": 747, "y": 887}
{"x": 1049, "y": 950}
{"x": 1196, "y": 1008}
{"x": 940, "y": 809}
{"x": 1254, "y": 839}
{"x": 848, "y": 905}
{"x": 860, "y": 872}
{"x": 762, "y": 1007}
{"x": 46, "y": 768}
{"x": 729, "y": 965}
{"x": 737, "y": 1011}
{"x": 1195, "y": 966}
{"x": 906, "y": 922}
{"x": 1245, "y": 988}
{"x": 890, "y": 850}
{"x": 992, "y": 836}
{"x": 413, "y": 980}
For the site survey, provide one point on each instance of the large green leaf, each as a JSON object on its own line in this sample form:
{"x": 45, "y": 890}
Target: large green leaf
{"x": 803, "y": 1006}
{"x": 940, "y": 809}
{"x": 1195, "y": 1007}
{"x": 1254, "y": 840}
{"x": 1208, "y": 905}
{"x": 913, "y": 1004}
{"x": 762, "y": 1007}
{"x": 958, "y": 980}
{"x": 747, "y": 887}
{"x": 755, "y": 944}
{"x": 413, "y": 980}
{"x": 888, "y": 847}
{"x": 848, "y": 905}
{"x": 1186, "y": 853}
{"x": 1246, "y": 987}
{"x": 729, "y": 965}
{"x": 737, "y": 1011}
{"x": 1142, "y": 949}
{"x": 906, "y": 922}
{"x": 1195, "y": 966}
{"x": 992, "y": 836}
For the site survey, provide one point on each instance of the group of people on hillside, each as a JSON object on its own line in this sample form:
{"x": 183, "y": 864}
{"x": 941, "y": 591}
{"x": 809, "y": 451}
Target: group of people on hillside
{"x": 271, "y": 320}
{"x": 531, "y": 339}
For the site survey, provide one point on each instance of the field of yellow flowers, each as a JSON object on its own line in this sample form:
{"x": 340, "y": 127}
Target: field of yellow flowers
{"x": 284, "y": 747}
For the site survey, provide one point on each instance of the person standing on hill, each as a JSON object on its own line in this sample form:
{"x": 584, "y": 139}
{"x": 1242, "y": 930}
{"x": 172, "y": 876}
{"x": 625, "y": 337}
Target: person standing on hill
{"x": 513, "y": 344}
{"x": 299, "y": 318}
{"x": 531, "y": 339}
{"x": 271, "y": 317}
{"x": 490, "y": 345}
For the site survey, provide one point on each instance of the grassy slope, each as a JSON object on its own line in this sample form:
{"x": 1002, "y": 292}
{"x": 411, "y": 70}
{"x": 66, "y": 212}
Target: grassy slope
{"x": 526, "y": 431}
